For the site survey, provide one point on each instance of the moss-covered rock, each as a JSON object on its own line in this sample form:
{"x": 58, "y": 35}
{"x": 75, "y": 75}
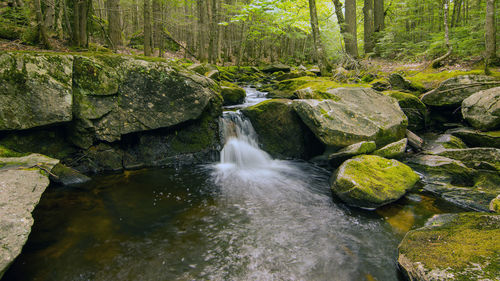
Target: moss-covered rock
{"x": 232, "y": 94}
{"x": 150, "y": 95}
{"x": 355, "y": 115}
{"x": 476, "y": 158}
{"x": 438, "y": 143}
{"x": 399, "y": 83}
{"x": 35, "y": 90}
{"x": 453, "y": 91}
{"x": 5, "y": 152}
{"x": 476, "y": 138}
{"x": 413, "y": 108}
{"x": 393, "y": 150}
{"x": 364, "y": 147}
{"x": 453, "y": 247}
{"x": 482, "y": 109}
{"x": 287, "y": 88}
{"x": 436, "y": 168}
{"x": 67, "y": 176}
{"x": 276, "y": 67}
{"x": 281, "y": 131}
{"x": 370, "y": 181}
{"x": 495, "y": 204}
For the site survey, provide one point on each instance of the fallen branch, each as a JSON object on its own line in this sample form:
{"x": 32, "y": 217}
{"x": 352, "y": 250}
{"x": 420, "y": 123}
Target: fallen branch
{"x": 414, "y": 141}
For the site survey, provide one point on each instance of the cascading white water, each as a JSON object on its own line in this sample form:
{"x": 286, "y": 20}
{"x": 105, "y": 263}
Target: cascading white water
{"x": 241, "y": 147}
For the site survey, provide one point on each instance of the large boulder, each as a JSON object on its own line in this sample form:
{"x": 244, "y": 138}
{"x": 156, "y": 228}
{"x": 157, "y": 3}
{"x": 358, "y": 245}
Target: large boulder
{"x": 476, "y": 138}
{"x": 117, "y": 95}
{"x": 399, "y": 82}
{"x": 453, "y": 91}
{"x": 370, "y": 181}
{"x": 482, "y": 109}
{"x": 453, "y": 247}
{"x": 276, "y": 67}
{"x": 35, "y": 90}
{"x": 281, "y": 131}
{"x": 413, "y": 108}
{"x": 22, "y": 182}
{"x": 353, "y": 115}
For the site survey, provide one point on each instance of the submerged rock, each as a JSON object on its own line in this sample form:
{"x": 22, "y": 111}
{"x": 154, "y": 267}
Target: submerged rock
{"x": 354, "y": 115}
{"x": 22, "y": 182}
{"x": 281, "y": 131}
{"x": 476, "y": 138}
{"x": 392, "y": 150}
{"x": 453, "y": 91}
{"x": 453, "y": 247}
{"x": 67, "y": 176}
{"x": 35, "y": 90}
{"x": 482, "y": 109}
{"x": 370, "y": 181}
{"x": 364, "y": 147}
{"x": 232, "y": 94}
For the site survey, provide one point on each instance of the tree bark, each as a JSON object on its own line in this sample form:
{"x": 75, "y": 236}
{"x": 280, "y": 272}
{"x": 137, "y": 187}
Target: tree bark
{"x": 351, "y": 28}
{"x": 114, "y": 30}
{"x": 318, "y": 46}
{"x": 379, "y": 15}
{"x": 42, "y": 30}
{"x": 202, "y": 51}
{"x": 49, "y": 13}
{"x": 368, "y": 26}
{"x": 157, "y": 25}
{"x": 340, "y": 19}
{"x": 490, "y": 31}
{"x": 147, "y": 28}
{"x": 83, "y": 7}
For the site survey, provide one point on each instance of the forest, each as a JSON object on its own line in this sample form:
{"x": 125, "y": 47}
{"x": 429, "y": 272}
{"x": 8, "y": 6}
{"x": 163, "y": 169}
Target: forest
{"x": 253, "y": 32}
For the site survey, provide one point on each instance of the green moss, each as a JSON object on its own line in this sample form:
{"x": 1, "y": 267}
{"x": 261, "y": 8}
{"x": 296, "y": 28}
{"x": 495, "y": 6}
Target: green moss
{"x": 370, "y": 181}
{"x": 5, "y": 152}
{"x": 432, "y": 79}
{"x": 468, "y": 240}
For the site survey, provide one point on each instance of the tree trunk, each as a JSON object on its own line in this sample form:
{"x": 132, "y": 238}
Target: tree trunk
{"x": 490, "y": 31}
{"x": 49, "y": 13}
{"x": 157, "y": 26}
{"x": 435, "y": 63}
{"x": 340, "y": 19}
{"x": 114, "y": 30}
{"x": 212, "y": 41}
{"x": 379, "y": 15}
{"x": 42, "y": 30}
{"x": 318, "y": 46}
{"x": 59, "y": 20}
{"x": 84, "y": 8}
{"x": 147, "y": 28}
{"x": 202, "y": 51}
{"x": 368, "y": 26}
{"x": 351, "y": 28}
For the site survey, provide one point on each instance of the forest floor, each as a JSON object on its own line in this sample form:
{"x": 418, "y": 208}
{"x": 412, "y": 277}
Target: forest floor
{"x": 382, "y": 65}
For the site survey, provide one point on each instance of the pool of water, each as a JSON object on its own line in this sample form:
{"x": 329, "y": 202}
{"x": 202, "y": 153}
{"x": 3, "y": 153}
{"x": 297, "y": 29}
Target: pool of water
{"x": 215, "y": 222}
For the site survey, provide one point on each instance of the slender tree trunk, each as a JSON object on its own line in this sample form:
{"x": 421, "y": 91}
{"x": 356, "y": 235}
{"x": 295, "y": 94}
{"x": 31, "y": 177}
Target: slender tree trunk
{"x": 202, "y": 51}
{"x": 379, "y": 15}
{"x": 490, "y": 31}
{"x": 42, "y": 30}
{"x": 135, "y": 16}
{"x": 318, "y": 46}
{"x": 59, "y": 20}
{"x": 368, "y": 26}
{"x": 340, "y": 19}
{"x": 157, "y": 26}
{"x": 351, "y": 28}
{"x": 114, "y": 29}
{"x": 212, "y": 42}
{"x": 84, "y": 9}
{"x": 49, "y": 14}
{"x": 76, "y": 23}
{"x": 147, "y": 28}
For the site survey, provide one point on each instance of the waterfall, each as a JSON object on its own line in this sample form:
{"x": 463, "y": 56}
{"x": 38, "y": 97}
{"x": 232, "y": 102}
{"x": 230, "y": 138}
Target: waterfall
{"x": 241, "y": 147}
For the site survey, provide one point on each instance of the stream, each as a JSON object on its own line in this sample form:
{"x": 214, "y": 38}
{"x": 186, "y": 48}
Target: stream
{"x": 247, "y": 217}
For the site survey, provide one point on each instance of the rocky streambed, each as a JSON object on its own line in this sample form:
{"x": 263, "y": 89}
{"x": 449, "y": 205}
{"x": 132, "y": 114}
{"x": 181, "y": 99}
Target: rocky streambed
{"x": 99, "y": 113}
